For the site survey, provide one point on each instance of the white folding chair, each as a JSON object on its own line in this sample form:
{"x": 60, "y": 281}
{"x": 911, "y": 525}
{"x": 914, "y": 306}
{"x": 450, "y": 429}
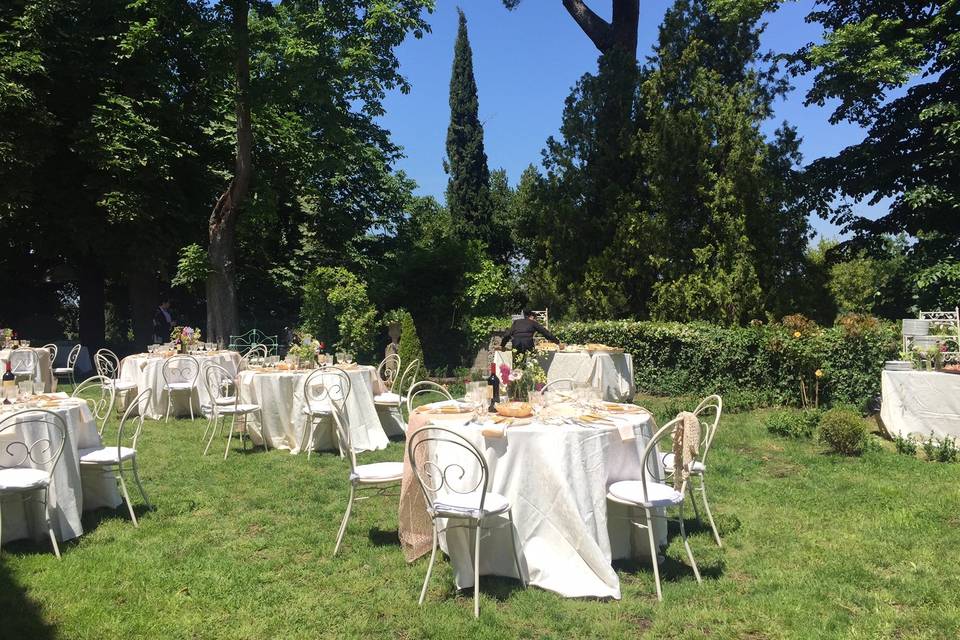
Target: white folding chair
{"x": 100, "y": 396}
{"x": 254, "y": 353}
{"x": 708, "y": 429}
{"x": 33, "y": 441}
{"x": 68, "y": 371}
{"x": 325, "y": 392}
{"x": 652, "y": 495}
{"x": 179, "y": 376}
{"x": 425, "y": 387}
{"x": 377, "y": 477}
{"x": 454, "y": 478}
{"x": 389, "y": 404}
{"x": 219, "y": 382}
{"x": 112, "y": 460}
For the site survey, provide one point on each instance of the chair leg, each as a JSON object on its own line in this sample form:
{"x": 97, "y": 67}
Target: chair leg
{"x": 311, "y": 427}
{"x": 53, "y": 536}
{"x": 653, "y": 553}
{"x": 433, "y": 556}
{"x": 126, "y": 497}
{"x": 209, "y": 422}
{"x": 191, "y": 405}
{"x": 215, "y": 427}
{"x": 706, "y": 507}
{"x": 516, "y": 548}
{"x": 686, "y": 545}
{"x": 693, "y": 501}
{"x": 136, "y": 477}
{"x": 166, "y": 418}
{"x": 476, "y": 570}
{"x": 343, "y": 525}
{"x": 233, "y": 422}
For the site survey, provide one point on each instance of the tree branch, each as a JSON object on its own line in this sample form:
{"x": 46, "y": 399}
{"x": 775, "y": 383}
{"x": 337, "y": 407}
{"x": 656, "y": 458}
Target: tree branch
{"x": 597, "y": 29}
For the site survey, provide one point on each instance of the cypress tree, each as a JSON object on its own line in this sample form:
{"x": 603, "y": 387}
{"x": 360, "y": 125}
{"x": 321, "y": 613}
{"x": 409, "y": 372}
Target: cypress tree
{"x": 468, "y": 188}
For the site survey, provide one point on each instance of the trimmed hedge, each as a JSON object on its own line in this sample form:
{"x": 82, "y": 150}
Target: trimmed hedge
{"x": 763, "y": 363}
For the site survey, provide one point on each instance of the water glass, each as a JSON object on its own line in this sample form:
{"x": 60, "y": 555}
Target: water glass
{"x": 26, "y": 387}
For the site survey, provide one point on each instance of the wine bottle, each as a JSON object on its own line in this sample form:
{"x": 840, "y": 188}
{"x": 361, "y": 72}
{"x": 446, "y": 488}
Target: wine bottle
{"x": 9, "y": 385}
{"x": 493, "y": 387}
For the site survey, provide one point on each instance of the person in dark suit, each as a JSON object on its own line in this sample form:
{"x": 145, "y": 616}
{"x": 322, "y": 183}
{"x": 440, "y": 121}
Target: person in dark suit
{"x": 522, "y": 331}
{"x": 162, "y": 323}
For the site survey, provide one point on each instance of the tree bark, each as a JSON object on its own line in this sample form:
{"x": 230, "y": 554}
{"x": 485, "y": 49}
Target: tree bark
{"x": 144, "y": 298}
{"x": 221, "y": 283}
{"x": 91, "y": 321}
{"x": 620, "y": 34}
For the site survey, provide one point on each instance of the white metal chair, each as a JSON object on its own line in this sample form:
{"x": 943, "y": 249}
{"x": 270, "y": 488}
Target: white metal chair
{"x": 425, "y": 387}
{"x": 698, "y": 470}
{"x": 570, "y": 383}
{"x": 388, "y": 370}
{"x": 653, "y": 495}
{"x": 52, "y": 348}
{"x": 23, "y": 363}
{"x": 325, "y": 393}
{"x": 377, "y": 477}
{"x": 256, "y": 352}
{"x": 454, "y": 477}
{"x": 109, "y": 366}
{"x": 389, "y": 404}
{"x": 34, "y": 440}
{"x": 69, "y": 370}
{"x": 218, "y": 382}
{"x": 100, "y": 395}
{"x": 112, "y": 460}
{"x": 179, "y": 376}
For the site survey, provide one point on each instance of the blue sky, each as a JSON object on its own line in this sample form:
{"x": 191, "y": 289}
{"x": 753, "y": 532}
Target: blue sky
{"x": 526, "y": 62}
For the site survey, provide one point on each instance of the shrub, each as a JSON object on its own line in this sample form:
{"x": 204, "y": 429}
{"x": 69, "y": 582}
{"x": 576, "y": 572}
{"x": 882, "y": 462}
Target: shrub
{"x": 844, "y": 431}
{"x": 906, "y": 446}
{"x": 794, "y": 424}
{"x": 337, "y": 310}
{"x": 410, "y": 348}
{"x": 947, "y": 451}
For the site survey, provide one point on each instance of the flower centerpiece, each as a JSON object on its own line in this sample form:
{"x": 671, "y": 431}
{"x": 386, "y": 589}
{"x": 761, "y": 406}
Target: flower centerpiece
{"x": 184, "y": 338}
{"x": 527, "y": 375}
{"x": 305, "y": 350}
{"x": 6, "y": 336}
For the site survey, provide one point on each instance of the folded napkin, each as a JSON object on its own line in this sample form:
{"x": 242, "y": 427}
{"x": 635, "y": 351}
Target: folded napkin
{"x": 498, "y": 429}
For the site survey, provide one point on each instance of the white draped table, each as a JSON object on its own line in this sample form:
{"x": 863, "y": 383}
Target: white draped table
{"x": 280, "y": 396}
{"x": 42, "y": 373}
{"x": 72, "y": 491}
{"x": 556, "y": 479}
{"x": 144, "y": 369}
{"x": 921, "y": 402}
{"x": 610, "y": 372}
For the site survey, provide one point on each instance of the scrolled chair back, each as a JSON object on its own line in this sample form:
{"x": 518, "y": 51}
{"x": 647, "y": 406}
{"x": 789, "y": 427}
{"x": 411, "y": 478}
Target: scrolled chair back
{"x": 219, "y": 382}
{"x": 73, "y": 356}
{"x": 422, "y": 388}
{"x": 107, "y": 364}
{"x": 100, "y": 395}
{"x": 445, "y": 462}
{"x": 388, "y": 370}
{"x": 32, "y": 437}
{"x": 708, "y": 413}
{"x": 407, "y": 378}
{"x": 328, "y": 384}
{"x": 553, "y": 385}
{"x": 254, "y": 352}
{"x": 23, "y": 362}
{"x": 52, "y": 348}
{"x": 651, "y": 458}
{"x": 179, "y": 369}
{"x": 129, "y": 422}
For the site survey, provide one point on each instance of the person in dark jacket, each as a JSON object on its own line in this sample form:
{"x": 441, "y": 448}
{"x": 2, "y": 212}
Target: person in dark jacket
{"x": 521, "y": 333}
{"x": 162, "y": 322}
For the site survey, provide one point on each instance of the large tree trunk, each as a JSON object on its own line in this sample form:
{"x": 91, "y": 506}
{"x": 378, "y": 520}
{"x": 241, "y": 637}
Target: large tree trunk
{"x": 221, "y": 283}
{"x": 91, "y": 323}
{"x": 144, "y": 298}
{"x": 620, "y": 34}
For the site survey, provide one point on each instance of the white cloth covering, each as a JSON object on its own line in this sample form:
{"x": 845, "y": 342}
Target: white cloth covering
{"x": 280, "y": 396}
{"x": 611, "y": 373}
{"x": 556, "y": 479}
{"x": 42, "y": 375}
{"x": 71, "y": 491}
{"x": 145, "y": 370}
{"x": 921, "y": 402}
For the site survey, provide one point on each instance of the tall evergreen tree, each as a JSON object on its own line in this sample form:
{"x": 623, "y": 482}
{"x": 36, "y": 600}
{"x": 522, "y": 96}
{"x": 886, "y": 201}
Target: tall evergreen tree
{"x": 468, "y": 188}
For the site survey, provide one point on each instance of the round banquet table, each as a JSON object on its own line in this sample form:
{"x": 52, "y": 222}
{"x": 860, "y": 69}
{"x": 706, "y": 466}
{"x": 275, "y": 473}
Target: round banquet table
{"x": 144, "y": 369}
{"x": 609, "y": 371}
{"x": 280, "y": 396}
{"x": 72, "y": 490}
{"x": 42, "y": 374}
{"x": 556, "y": 479}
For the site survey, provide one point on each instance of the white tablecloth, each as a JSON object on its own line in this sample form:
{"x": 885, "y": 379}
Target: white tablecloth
{"x": 280, "y": 396}
{"x": 920, "y": 402}
{"x": 612, "y": 373}
{"x": 42, "y": 375}
{"x": 71, "y": 491}
{"x": 556, "y": 479}
{"x": 145, "y": 370}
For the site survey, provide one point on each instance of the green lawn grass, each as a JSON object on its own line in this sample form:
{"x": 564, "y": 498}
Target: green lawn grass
{"x": 815, "y": 546}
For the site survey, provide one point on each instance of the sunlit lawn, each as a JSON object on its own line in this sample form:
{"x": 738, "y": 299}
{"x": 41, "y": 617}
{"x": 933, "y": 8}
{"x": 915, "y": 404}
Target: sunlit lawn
{"x": 815, "y": 547}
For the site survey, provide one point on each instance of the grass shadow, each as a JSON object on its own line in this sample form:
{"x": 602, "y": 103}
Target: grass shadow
{"x": 381, "y": 538}
{"x": 22, "y": 617}
{"x": 93, "y": 518}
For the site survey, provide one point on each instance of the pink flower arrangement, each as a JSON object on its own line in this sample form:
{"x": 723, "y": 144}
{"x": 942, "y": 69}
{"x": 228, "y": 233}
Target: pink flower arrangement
{"x": 504, "y": 373}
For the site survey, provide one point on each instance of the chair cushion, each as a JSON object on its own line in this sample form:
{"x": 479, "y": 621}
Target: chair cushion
{"x": 463, "y": 505}
{"x": 178, "y": 386}
{"x": 63, "y": 370}
{"x": 105, "y": 455}
{"x": 378, "y": 472}
{"x": 387, "y": 398}
{"x": 123, "y": 385}
{"x": 226, "y": 400}
{"x": 697, "y": 466}
{"x": 658, "y": 495}
{"x": 318, "y": 406}
{"x": 240, "y": 408}
{"x": 19, "y": 479}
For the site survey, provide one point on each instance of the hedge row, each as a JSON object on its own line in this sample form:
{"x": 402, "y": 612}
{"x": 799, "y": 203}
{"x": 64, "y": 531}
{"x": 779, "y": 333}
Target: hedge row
{"x": 759, "y": 365}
